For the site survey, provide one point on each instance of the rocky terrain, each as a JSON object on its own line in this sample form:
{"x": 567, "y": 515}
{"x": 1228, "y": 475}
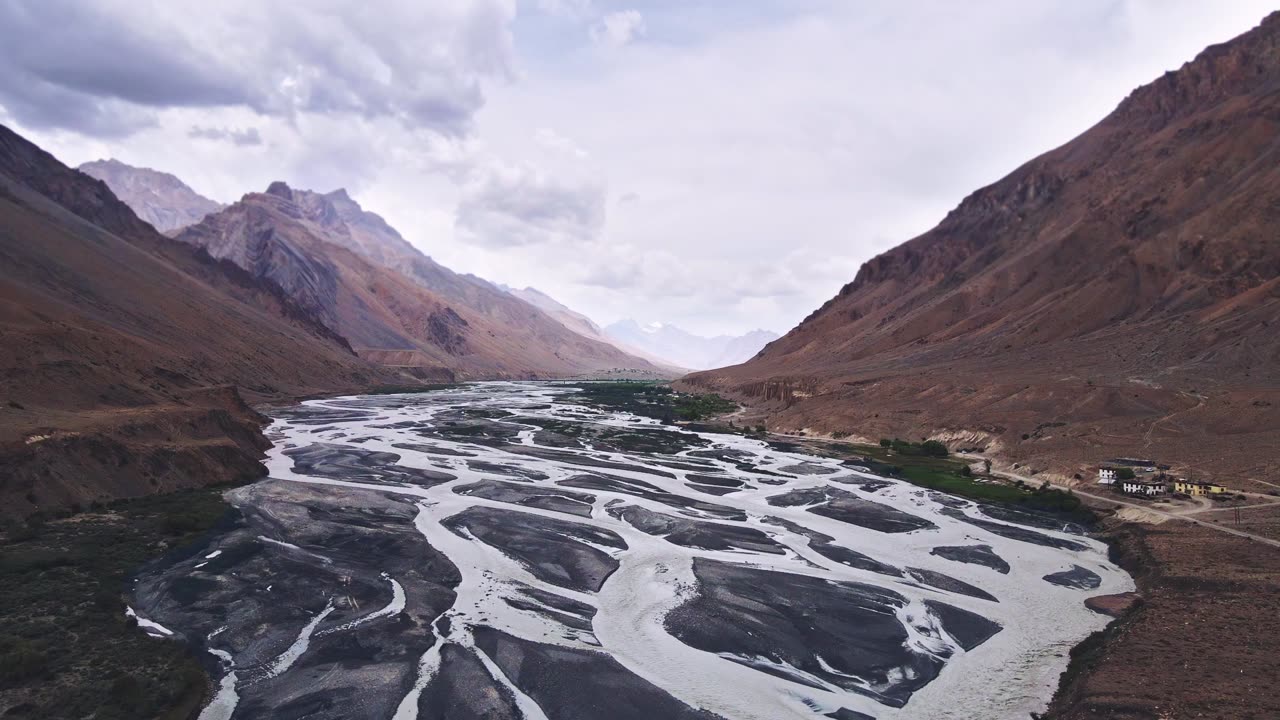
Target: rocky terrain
{"x": 157, "y": 197}
{"x": 419, "y": 311}
{"x": 1116, "y": 296}
{"x": 336, "y": 261}
{"x": 683, "y": 348}
{"x": 498, "y": 550}
{"x": 128, "y": 358}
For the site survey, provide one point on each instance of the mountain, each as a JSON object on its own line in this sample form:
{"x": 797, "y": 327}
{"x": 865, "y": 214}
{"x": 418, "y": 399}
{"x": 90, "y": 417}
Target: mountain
{"x": 372, "y": 237}
{"x": 127, "y": 354}
{"x": 360, "y": 278}
{"x": 685, "y": 349}
{"x": 585, "y": 326}
{"x": 571, "y": 319}
{"x": 158, "y": 198}
{"x": 1118, "y": 295}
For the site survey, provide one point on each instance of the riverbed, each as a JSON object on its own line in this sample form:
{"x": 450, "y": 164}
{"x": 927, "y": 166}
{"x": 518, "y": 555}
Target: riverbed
{"x": 498, "y": 551}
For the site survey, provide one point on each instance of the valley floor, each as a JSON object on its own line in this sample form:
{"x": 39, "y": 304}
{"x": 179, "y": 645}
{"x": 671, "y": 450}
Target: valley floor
{"x": 500, "y": 550}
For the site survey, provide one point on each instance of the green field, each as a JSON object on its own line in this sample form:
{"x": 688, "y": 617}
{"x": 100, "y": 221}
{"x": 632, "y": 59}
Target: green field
{"x": 947, "y": 474}
{"x": 66, "y": 648}
{"x": 650, "y": 399}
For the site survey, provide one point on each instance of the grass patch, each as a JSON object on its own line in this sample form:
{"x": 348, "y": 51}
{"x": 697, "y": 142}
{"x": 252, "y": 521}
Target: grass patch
{"x": 66, "y": 648}
{"x": 650, "y": 399}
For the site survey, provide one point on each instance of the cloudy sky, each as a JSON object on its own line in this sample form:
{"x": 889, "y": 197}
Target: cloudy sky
{"x": 717, "y": 164}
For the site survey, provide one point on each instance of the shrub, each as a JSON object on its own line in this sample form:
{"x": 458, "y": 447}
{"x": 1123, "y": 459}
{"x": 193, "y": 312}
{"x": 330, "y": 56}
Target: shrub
{"x": 1125, "y": 473}
{"x": 934, "y": 448}
{"x": 126, "y": 689}
{"x": 181, "y": 523}
{"x": 22, "y": 662}
{"x": 886, "y": 443}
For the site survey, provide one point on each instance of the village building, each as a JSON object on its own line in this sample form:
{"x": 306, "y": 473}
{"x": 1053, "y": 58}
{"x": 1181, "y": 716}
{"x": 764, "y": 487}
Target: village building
{"x": 1147, "y": 488}
{"x": 1192, "y": 487}
{"x": 1111, "y": 474}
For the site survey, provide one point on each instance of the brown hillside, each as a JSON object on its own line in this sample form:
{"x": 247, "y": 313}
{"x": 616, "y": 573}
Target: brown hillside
{"x": 1117, "y": 295}
{"x": 122, "y": 350}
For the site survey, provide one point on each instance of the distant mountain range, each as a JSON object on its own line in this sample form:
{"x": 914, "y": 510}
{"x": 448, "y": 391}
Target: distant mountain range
{"x": 685, "y": 349}
{"x": 587, "y": 327}
{"x": 354, "y": 273}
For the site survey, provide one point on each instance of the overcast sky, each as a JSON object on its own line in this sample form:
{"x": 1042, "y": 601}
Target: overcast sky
{"x": 717, "y": 164}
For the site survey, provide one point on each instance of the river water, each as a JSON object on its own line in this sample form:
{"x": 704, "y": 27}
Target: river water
{"x": 497, "y": 550}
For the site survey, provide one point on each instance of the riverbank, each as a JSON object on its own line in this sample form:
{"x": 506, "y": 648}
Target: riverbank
{"x": 1203, "y": 643}
{"x": 68, "y": 649}
{"x": 1204, "y": 639}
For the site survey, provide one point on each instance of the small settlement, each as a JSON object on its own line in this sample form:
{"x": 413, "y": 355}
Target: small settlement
{"x": 1145, "y": 478}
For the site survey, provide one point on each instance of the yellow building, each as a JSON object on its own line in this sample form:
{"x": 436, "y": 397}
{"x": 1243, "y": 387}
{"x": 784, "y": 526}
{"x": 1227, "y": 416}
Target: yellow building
{"x": 1189, "y": 487}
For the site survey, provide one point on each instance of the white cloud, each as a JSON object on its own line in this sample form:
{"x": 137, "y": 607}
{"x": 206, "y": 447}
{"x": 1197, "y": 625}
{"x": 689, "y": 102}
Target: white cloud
{"x": 553, "y": 140}
{"x": 617, "y": 29}
{"x": 109, "y": 68}
{"x": 506, "y": 206}
{"x": 235, "y": 136}
{"x": 743, "y": 160}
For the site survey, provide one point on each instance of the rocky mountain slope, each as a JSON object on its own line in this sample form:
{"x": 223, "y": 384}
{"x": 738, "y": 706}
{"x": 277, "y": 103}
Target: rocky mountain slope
{"x": 682, "y": 348}
{"x": 125, "y": 354}
{"x": 158, "y": 198}
{"x": 562, "y": 313}
{"x": 1119, "y": 295}
{"x": 372, "y": 237}
{"x": 351, "y": 270}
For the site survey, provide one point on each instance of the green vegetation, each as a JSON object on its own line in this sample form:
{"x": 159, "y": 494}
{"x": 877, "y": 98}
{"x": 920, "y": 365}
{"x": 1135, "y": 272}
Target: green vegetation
{"x": 928, "y": 448}
{"x": 66, "y": 648}
{"x": 928, "y": 468}
{"x": 698, "y": 407}
{"x": 403, "y": 389}
{"x": 1125, "y": 473}
{"x": 928, "y": 464}
{"x": 650, "y": 399}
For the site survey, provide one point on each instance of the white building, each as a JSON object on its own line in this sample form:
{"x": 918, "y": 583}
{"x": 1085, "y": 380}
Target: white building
{"x": 1106, "y": 476}
{"x": 1143, "y": 487}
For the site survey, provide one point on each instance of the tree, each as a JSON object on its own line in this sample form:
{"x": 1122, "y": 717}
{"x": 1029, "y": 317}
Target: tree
{"x": 1125, "y": 473}
{"x": 886, "y": 442}
{"x": 934, "y": 448}
{"x": 986, "y": 464}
